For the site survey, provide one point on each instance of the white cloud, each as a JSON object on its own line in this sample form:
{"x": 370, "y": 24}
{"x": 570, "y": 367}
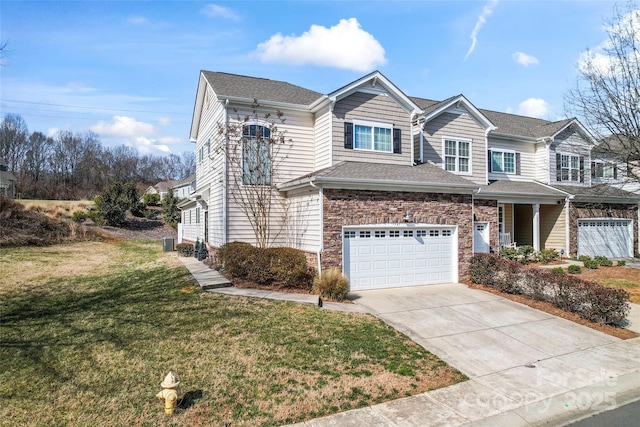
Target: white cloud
{"x": 137, "y": 20}
{"x": 122, "y": 126}
{"x": 598, "y": 60}
{"x": 148, "y": 146}
{"x": 52, "y": 131}
{"x": 164, "y": 121}
{"x": 170, "y": 140}
{"x": 345, "y": 45}
{"x": 213, "y": 11}
{"x": 524, "y": 59}
{"x": 487, "y": 10}
{"x": 534, "y": 107}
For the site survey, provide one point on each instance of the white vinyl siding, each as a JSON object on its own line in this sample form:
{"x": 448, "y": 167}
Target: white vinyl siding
{"x": 376, "y": 108}
{"x": 322, "y": 138}
{"x": 303, "y": 220}
{"x": 457, "y": 127}
{"x": 572, "y": 151}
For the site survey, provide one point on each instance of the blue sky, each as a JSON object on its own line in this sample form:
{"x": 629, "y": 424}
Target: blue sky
{"x": 129, "y": 70}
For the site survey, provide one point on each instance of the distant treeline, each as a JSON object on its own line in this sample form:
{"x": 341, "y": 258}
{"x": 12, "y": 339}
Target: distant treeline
{"x": 69, "y": 165}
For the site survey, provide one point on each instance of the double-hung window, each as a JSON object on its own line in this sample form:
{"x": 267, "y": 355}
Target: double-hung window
{"x": 570, "y": 167}
{"x": 457, "y": 155}
{"x": 601, "y": 170}
{"x": 256, "y": 155}
{"x": 372, "y": 136}
{"x": 503, "y": 161}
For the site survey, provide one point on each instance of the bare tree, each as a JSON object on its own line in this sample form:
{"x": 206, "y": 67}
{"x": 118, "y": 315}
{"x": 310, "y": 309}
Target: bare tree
{"x": 14, "y": 138}
{"x": 255, "y": 147}
{"x": 607, "y": 91}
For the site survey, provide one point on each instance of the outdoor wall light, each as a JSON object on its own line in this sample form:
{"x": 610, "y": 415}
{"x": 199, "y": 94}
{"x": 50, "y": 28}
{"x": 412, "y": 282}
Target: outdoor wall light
{"x": 407, "y": 217}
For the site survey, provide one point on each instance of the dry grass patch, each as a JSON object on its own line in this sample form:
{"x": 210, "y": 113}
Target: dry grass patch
{"x": 627, "y": 278}
{"x": 88, "y": 331}
{"x": 57, "y": 208}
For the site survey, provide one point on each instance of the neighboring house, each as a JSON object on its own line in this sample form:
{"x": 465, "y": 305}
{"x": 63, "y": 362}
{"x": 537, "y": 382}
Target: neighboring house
{"x": 161, "y": 188}
{"x": 398, "y": 190}
{"x": 7, "y": 181}
{"x": 183, "y": 188}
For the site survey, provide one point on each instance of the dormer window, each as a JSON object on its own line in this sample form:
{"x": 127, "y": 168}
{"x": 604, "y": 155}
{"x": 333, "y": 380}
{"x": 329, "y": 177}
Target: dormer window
{"x": 569, "y": 167}
{"x": 602, "y": 170}
{"x": 457, "y": 155}
{"x": 372, "y": 136}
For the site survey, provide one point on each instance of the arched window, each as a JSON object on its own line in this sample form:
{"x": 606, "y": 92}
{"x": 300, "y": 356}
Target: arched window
{"x": 256, "y": 155}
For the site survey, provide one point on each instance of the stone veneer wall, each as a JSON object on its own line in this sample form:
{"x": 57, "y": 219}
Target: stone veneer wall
{"x": 487, "y": 211}
{"x": 599, "y": 210}
{"x": 360, "y": 207}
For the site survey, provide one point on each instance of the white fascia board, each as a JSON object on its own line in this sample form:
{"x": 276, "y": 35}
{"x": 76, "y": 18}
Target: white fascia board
{"x": 379, "y": 79}
{"x": 369, "y": 184}
{"x": 197, "y": 108}
{"x": 581, "y": 128}
{"x": 265, "y": 103}
{"x": 469, "y": 107}
{"x": 506, "y": 136}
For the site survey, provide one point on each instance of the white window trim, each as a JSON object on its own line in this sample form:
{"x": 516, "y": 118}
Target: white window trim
{"x": 604, "y": 178}
{"x": 502, "y": 150}
{"x": 372, "y": 124}
{"x": 264, "y": 124}
{"x": 457, "y": 139}
{"x": 570, "y": 155}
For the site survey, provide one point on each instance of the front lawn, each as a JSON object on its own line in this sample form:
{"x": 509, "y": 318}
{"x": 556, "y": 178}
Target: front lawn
{"x": 89, "y": 330}
{"x": 627, "y": 278}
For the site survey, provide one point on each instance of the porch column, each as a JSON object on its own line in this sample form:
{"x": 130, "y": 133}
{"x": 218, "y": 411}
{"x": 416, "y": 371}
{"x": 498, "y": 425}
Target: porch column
{"x": 536, "y": 226}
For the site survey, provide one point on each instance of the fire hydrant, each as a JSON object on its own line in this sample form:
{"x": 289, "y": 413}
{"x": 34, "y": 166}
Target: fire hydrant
{"x": 170, "y": 393}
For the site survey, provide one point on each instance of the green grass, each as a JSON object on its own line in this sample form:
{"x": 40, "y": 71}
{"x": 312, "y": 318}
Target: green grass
{"x": 88, "y": 331}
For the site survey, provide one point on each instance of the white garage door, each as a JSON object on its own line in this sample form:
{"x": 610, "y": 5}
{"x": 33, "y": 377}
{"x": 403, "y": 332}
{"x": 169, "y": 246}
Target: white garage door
{"x": 379, "y": 257}
{"x": 612, "y": 238}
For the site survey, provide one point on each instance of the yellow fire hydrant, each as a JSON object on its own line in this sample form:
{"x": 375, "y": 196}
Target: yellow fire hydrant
{"x": 170, "y": 393}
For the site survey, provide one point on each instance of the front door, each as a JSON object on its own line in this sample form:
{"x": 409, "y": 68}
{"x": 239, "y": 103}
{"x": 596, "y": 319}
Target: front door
{"x": 481, "y": 237}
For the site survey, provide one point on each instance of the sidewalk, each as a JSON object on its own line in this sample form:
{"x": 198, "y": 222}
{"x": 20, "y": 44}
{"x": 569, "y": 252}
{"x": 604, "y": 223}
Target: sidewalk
{"x": 212, "y": 281}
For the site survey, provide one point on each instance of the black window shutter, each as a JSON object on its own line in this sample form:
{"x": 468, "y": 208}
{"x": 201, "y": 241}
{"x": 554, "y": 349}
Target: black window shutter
{"x": 615, "y": 172}
{"x": 348, "y": 135}
{"x": 489, "y": 160}
{"x": 518, "y": 165}
{"x": 581, "y": 168}
{"x": 593, "y": 169}
{"x": 397, "y": 141}
{"x": 558, "y": 167}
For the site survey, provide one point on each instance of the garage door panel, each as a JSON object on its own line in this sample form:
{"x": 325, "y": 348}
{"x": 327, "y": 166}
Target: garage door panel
{"x": 606, "y": 237}
{"x": 382, "y": 258}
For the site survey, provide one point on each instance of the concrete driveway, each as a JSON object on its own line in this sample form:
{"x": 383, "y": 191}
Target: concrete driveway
{"x": 481, "y": 333}
{"x": 526, "y": 367}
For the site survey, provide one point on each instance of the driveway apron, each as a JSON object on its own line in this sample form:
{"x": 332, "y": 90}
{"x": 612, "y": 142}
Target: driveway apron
{"x": 479, "y": 333}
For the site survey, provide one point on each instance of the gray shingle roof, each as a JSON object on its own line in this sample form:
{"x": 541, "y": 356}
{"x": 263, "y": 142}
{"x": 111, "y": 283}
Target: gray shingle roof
{"x": 512, "y": 124}
{"x": 237, "y": 86}
{"x": 358, "y": 172}
{"x": 520, "y": 188}
{"x": 599, "y": 193}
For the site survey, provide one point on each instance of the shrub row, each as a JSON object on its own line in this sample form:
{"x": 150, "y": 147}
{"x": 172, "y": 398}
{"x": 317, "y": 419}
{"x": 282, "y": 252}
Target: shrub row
{"x": 590, "y": 300}
{"x": 525, "y": 253}
{"x": 273, "y": 267}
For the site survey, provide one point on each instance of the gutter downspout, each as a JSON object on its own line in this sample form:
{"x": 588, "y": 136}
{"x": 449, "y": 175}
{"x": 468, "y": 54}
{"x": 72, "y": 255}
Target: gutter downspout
{"x": 225, "y": 178}
{"x": 421, "y": 142}
{"x": 321, "y": 223}
{"x": 411, "y": 133}
{"x": 333, "y": 104}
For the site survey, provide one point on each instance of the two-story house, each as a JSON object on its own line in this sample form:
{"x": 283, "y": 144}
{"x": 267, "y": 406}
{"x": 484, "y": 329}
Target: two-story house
{"x": 399, "y": 190}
